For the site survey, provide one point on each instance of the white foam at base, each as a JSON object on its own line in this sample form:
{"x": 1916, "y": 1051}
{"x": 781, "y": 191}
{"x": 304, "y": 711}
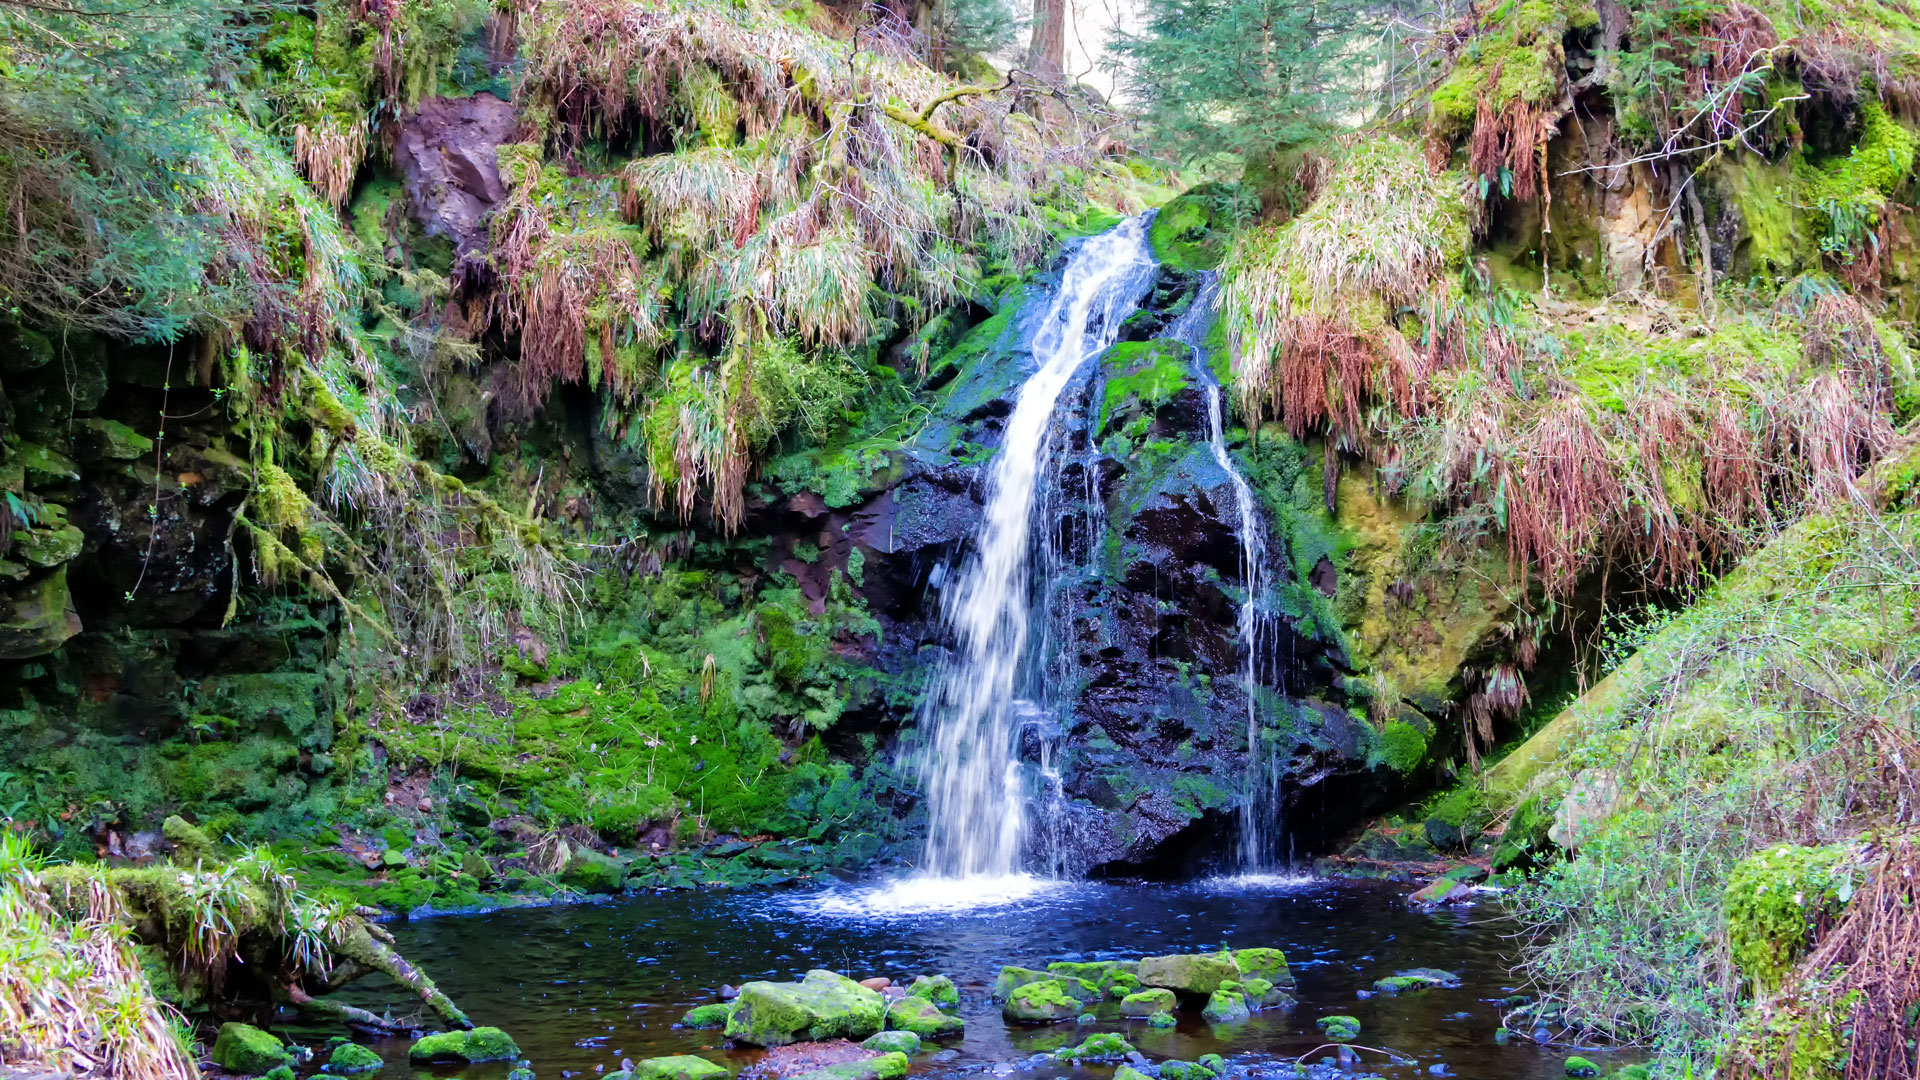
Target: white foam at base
{"x": 1258, "y": 882}
{"x": 923, "y": 894}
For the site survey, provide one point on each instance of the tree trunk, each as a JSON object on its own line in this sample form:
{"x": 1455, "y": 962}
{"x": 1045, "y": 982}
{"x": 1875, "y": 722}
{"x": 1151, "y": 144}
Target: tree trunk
{"x": 1047, "y": 51}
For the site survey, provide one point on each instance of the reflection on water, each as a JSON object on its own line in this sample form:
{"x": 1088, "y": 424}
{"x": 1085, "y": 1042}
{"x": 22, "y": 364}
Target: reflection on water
{"x": 581, "y": 987}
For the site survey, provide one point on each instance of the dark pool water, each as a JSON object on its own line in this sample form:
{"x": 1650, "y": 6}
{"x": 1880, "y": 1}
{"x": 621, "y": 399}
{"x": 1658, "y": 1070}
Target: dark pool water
{"x": 581, "y": 987}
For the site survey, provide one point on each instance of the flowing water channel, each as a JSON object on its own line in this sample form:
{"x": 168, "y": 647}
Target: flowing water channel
{"x": 581, "y": 987}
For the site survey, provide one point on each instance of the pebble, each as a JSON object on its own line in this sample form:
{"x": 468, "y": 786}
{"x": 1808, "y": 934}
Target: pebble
{"x": 728, "y": 993}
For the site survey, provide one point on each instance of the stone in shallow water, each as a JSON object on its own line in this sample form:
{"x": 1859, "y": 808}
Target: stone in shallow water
{"x": 1147, "y": 1002}
{"x": 678, "y": 1067}
{"x": 893, "y": 1042}
{"x": 706, "y": 1016}
{"x": 1041, "y": 1002}
{"x": 936, "y": 988}
{"x": 1226, "y": 1007}
{"x": 1417, "y": 979}
{"x": 1161, "y": 1020}
{"x": 479, "y": 1044}
{"x": 245, "y": 1049}
{"x": 923, "y": 1018}
{"x": 1193, "y": 973}
{"x": 824, "y": 1005}
{"x": 1339, "y": 1028}
{"x": 350, "y": 1057}
{"x": 1268, "y": 964}
{"x": 1105, "y": 1046}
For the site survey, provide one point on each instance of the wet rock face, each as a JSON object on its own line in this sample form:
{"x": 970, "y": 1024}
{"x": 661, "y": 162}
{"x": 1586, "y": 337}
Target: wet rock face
{"x": 446, "y": 157}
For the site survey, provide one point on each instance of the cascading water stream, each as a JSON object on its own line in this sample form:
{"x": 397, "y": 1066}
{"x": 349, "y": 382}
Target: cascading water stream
{"x": 976, "y": 785}
{"x": 1262, "y": 783}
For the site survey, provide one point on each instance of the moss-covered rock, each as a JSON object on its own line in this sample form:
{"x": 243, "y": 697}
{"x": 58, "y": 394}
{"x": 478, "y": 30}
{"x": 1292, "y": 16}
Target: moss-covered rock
{"x": 247, "y": 1050}
{"x": 678, "y": 1067}
{"x": 1190, "y": 973}
{"x": 1339, "y": 1028}
{"x": 1012, "y": 977}
{"x": 823, "y": 1005}
{"x": 1415, "y": 980}
{"x": 1264, "y": 995}
{"x": 923, "y": 1018}
{"x": 1226, "y": 1007}
{"x": 702, "y": 1017}
{"x": 1128, "y": 1072}
{"x": 1147, "y": 1002}
{"x": 935, "y": 988}
{"x": 1263, "y": 963}
{"x": 884, "y": 1067}
{"x": 1186, "y": 1070}
{"x": 591, "y": 872}
{"x": 470, "y": 1047}
{"x": 1161, "y": 1020}
{"x": 892, "y": 1042}
{"x": 1580, "y": 1067}
{"x": 1042, "y": 1002}
{"x": 1104, "y": 1046}
{"x": 349, "y": 1058}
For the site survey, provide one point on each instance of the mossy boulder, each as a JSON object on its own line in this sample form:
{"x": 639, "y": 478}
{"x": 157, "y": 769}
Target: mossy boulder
{"x": 935, "y": 988}
{"x": 249, "y": 1051}
{"x": 1128, "y": 1072}
{"x": 1103, "y": 975}
{"x": 1262, "y": 963}
{"x": 1339, "y": 1028}
{"x": 678, "y": 1067}
{"x": 470, "y": 1047}
{"x": 1198, "y": 974}
{"x": 349, "y": 1058}
{"x": 1186, "y": 1070}
{"x": 892, "y": 1042}
{"x": 923, "y": 1018}
{"x": 884, "y": 1067}
{"x": 1105, "y": 1046}
{"x": 703, "y": 1017}
{"x": 1226, "y": 1007}
{"x": 1011, "y": 978}
{"x": 823, "y": 1005}
{"x": 1581, "y": 1067}
{"x": 1043, "y": 1002}
{"x": 1147, "y": 1002}
{"x": 588, "y": 871}
{"x": 1161, "y": 1020}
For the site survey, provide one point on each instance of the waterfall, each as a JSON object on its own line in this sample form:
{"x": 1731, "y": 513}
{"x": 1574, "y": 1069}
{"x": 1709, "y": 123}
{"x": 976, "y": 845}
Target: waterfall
{"x": 1262, "y": 778}
{"x": 977, "y": 788}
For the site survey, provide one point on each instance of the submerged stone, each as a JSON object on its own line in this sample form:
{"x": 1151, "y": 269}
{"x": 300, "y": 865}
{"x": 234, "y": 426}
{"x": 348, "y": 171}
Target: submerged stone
{"x": 1147, "y": 1002}
{"x": 1041, "y": 1003}
{"x": 1581, "y": 1067}
{"x": 245, "y": 1049}
{"x": 884, "y": 1067}
{"x": 1161, "y": 1020}
{"x": 678, "y": 1067}
{"x": 1193, "y": 973}
{"x": 892, "y": 1042}
{"x": 923, "y": 1018}
{"x": 476, "y": 1045}
{"x": 823, "y": 1005}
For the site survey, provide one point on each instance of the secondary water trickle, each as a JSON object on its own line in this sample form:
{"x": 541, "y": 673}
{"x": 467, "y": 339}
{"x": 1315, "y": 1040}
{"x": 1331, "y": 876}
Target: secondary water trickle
{"x": 977, "y": 788}
{"x": 1259, "y": 812}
